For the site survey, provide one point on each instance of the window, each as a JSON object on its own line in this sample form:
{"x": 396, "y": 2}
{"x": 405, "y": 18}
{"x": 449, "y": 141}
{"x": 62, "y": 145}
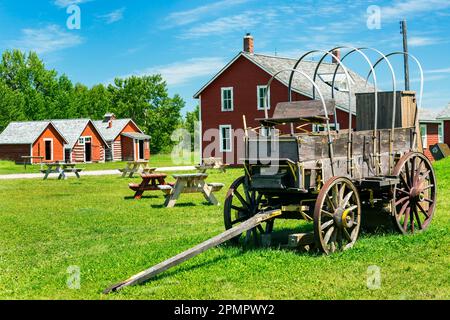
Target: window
{"x": 225, "y": 138}
{"x": 227, "y": 99}
{"x": 322, "y": 127}
{"x": 84, "y": 140}
{"x": 261, "y": 94}
{"x": 423, "y": 134}
{"x": 440, "y": 133}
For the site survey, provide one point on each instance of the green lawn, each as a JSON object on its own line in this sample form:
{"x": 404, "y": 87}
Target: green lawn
{"x": 48, "y": 226}
{"x": 156, "y": 160}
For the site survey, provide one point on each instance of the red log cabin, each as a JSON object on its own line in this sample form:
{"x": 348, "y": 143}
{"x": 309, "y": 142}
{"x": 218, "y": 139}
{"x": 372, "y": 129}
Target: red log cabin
{"x": 126, "y": 141}
{"x": 36, "y": 140}
{"x": 239, "y": 88}
{"x": 85, "y": 142}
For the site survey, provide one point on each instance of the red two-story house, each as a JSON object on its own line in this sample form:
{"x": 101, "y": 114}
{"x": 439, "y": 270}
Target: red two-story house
{"x": 239, "y": 88}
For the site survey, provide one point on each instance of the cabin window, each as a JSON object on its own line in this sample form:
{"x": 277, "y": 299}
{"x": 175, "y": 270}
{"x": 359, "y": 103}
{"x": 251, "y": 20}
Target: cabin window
{"x": 322, "y": 127}
{"x": 227, "y": 99}
{"x": 84, "y": 140}
{"x": 225, "y": 138}
{"x": 440, "y": 133}
{"x": 423, "y": 134}
{"x": 261, "y": 94}
{"x": 48, "y": 149}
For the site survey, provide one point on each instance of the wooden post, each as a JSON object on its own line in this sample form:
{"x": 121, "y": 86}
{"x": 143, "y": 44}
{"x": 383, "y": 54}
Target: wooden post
{"x": 180, "y": 258}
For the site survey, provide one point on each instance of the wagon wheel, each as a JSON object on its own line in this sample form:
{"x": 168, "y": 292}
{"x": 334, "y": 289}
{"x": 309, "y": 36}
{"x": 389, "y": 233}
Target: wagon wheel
{"x": 240, "y": 205}
{"x": 414, "y": 197}
{"x": 337, "y": 215}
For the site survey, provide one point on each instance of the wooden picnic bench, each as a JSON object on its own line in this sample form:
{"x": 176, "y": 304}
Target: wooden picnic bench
{"x": 30, "y": 158}
{"x": 150, "y": 182}
{"x": 190, "y": 183}
{"x": 62, "y": 169}
{"x": 136, "y": 166}
{"x": 211, "y": 163}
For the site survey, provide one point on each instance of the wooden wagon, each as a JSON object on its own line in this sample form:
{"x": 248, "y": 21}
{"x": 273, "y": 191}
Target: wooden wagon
{"x": 330, "y": 177}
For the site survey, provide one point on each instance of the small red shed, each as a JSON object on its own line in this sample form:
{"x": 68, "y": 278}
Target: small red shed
{"x": 32, "y": 139}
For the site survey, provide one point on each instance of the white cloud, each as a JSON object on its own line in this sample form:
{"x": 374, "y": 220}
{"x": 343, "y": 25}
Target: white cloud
{"x": 66, "y": 3}
{"x": 410, "y": 8}
{"x": 113, "y": 16}
{"x": 45, "y": 40}
{"x": 189, "y": 16}
{"x": 179, "y": 73}
{"x": 437, "y": 71}
{"x": 422, "y": 41}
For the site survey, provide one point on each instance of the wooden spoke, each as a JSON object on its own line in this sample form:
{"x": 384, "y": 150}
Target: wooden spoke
{"x": 328, "y": 214}
{"x": 347, "y": 199}
{"x": 416, "y": 215}
{"x": 401, "y": 200}
{"x": 347, "y": 235}
{"x": 422, "y": 210}
{"x": 327, "y": 237}
{"x": 327, "y": 224}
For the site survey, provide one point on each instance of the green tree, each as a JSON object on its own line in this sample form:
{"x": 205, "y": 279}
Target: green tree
{"x": 190, "y": 122}
{"x": 11, "y": 105}
{"x": 146, "y": 100}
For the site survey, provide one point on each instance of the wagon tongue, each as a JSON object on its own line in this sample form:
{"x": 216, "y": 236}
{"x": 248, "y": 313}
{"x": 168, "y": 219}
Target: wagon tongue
{"x": 181, "y": 257}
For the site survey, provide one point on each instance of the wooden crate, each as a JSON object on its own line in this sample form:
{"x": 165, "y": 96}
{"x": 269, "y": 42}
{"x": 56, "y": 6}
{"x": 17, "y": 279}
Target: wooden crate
{"x": 405, "y": 110}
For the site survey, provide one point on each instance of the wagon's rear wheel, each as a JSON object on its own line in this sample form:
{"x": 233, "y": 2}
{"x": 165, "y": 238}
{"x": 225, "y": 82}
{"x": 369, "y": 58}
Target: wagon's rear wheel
{"x": 414, "y": 197}
{"x": 337, "y": 215}
{"x": 240, "y": 205}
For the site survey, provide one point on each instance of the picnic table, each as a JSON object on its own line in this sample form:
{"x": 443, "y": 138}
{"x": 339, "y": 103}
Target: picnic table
{"x": 211, "y": 163}
{"x": 150, "y": 182}
{"x": 190, "y": 183}
{"x": 25, "y": 162}
{"x": 62, "y": 169}
{"x": 136, "y": 166}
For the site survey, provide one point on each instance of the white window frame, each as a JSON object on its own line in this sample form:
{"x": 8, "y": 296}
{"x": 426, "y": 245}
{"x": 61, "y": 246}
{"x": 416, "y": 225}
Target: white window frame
{"x": 222, "y": 90}
{"x": 258, "y": 97}
{"x": 317, "y": 127}
{"x": 45, "y": 150}
{"x": 224, "y": 126}
{"x": 441, "y": 136}
{"x": 425, "y": 136}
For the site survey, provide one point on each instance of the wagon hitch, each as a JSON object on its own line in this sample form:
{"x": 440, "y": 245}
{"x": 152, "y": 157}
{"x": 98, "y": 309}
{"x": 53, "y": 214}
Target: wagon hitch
{"x": 190, "y": 253}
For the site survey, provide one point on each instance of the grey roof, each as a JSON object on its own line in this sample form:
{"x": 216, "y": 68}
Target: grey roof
{"x": 72, "y": 129}
{"x": 444, "y": 114}
{"x": 136, "y": 135}
{"x": 111, "y": 133}
{"x": 274, "y": 64}
{"x": 427, "y": 115}
{"x": 24, "y": 132}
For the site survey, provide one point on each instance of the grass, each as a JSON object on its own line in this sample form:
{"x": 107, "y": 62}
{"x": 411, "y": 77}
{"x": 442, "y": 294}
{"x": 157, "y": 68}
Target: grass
{"x": 48, "y": 226}
{"x": 156, "y": 160}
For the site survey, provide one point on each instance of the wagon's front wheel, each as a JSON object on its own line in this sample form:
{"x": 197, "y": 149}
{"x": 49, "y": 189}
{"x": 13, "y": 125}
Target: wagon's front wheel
{"x": 241, "y": 204}
{"x": 337, "y": 215}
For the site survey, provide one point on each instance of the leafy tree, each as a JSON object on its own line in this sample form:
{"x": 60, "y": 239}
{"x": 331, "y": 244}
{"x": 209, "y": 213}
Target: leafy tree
{"x": 190, "y": 123}
{"x": 11, "y": 105}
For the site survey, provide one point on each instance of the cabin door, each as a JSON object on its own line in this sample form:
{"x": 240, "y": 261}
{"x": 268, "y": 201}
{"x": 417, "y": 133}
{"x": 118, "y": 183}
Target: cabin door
{"x": 87, "y": 149}
{"x": 141, "y": 149}
{"x": 48, "y": 150}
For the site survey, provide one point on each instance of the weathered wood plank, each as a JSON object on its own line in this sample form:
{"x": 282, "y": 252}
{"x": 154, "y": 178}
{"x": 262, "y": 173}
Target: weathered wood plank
{"x": 180, "y": 258}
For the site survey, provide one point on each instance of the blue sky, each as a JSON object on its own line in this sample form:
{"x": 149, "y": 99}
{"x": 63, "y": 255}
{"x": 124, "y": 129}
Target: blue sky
{"x": 189, "y": 41}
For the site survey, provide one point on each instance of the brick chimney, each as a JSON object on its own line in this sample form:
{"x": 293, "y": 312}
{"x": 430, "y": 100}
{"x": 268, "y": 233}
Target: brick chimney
{"x": 337, "y": 53}
{"x": 248, "y": 43}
